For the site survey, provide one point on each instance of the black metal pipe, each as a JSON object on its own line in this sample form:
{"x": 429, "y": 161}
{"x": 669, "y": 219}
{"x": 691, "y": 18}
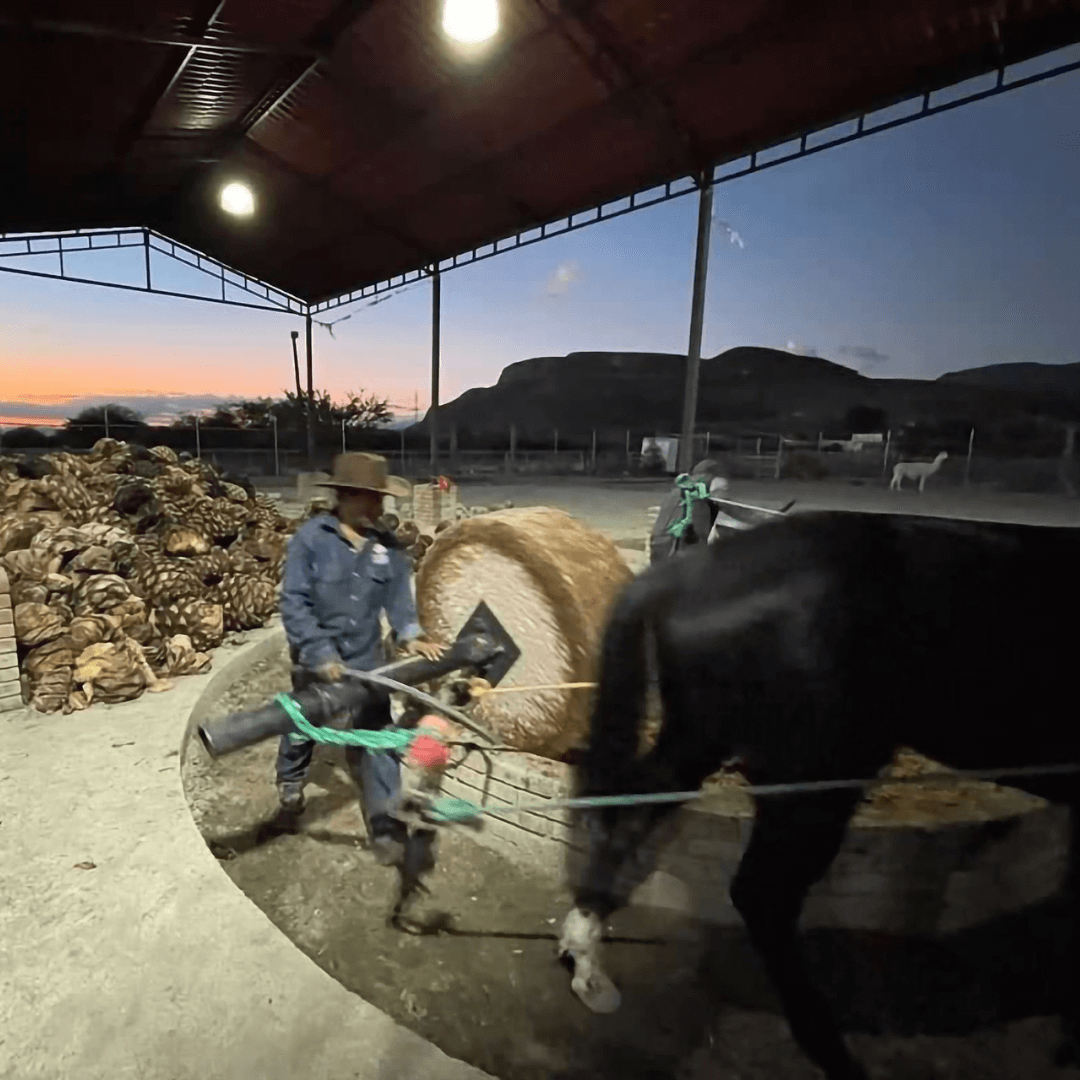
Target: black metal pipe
{"x": 331, "y": 705}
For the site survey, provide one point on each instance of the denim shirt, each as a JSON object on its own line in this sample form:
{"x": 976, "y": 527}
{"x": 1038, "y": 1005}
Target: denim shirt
{"x": 332, "y": 596}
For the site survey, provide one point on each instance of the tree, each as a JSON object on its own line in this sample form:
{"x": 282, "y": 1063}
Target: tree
{"x": 358, "y": 411}
{"x": 85, "y": 428}
{"x": 27, "y": 438}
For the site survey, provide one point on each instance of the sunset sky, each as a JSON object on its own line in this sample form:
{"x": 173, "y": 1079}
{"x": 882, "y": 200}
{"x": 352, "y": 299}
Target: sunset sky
{"x": 946, "y": 244}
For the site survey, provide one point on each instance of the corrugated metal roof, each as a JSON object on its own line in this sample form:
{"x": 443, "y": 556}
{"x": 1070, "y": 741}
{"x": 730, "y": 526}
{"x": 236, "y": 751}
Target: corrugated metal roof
{"x": 394, "y": 150}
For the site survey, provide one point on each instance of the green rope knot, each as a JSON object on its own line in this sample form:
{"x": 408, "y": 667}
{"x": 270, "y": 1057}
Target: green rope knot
{"x": 453, "y": 810}
{"x": 378, "y": 741}
{"x": 693, "y": 490}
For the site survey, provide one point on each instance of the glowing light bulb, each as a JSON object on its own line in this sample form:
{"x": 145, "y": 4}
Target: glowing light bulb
{"x": 237, "y": 199}
{"x": 471, "y": 21}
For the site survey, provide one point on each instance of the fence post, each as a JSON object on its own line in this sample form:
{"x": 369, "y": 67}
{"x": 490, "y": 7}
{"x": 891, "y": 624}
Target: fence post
{"x": 106, "y": 412}
{"x": 819, "y": 434}
{"x": 967, "y": 467}
{"x": 779, "y": 451}
{"x": 627, "y": 446}
{"x": 594, "y": 448}
{"x": 556, "y": 440}
{"x": 198, "y": 438}
{"x": 757, "y": 453}
{"x": 343, "y": 449}
{"x": 277, "y": 462}
{"x": 885, "y": 459}
{"x": 513, "y": 443}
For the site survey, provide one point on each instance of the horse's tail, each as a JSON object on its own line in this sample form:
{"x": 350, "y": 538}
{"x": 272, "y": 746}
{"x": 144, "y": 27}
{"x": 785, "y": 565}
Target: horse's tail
{"x": 608, "y": 765}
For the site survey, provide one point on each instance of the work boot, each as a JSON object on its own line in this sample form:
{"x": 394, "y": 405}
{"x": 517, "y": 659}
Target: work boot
{"x": 387, "y": 837}
{"x": 291, "y": 796}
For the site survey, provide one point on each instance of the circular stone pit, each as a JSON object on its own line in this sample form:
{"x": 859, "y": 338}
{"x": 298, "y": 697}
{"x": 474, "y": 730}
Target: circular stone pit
{"x": 929, "y": 920}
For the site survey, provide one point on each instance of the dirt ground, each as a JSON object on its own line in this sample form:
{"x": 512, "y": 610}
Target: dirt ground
{"x": 489, "y": 989}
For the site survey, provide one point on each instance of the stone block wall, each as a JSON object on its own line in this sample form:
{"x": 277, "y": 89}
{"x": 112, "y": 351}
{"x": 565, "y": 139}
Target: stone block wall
{"x": 538, "y": 840}
{"x": 10, "y": 687}
{"x": 898, "y": 879}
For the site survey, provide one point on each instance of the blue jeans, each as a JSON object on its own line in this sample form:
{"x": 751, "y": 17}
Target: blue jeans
{"x": 377, "y": 775}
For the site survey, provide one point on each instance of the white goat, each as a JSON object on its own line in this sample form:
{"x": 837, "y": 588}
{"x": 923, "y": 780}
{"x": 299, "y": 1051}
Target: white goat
{"x": 916, "y": 470}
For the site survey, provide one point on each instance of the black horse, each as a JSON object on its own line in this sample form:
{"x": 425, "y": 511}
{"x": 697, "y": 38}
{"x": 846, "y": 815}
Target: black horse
{"x": 811, "y": 648}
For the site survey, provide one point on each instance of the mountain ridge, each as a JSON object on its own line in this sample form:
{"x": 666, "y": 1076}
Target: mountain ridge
{"x": 746, "y": 387}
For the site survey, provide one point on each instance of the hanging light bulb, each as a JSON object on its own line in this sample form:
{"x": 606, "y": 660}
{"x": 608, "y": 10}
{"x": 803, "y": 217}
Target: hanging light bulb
{"x": 237, "y": 199}
{"x": 470, "y": 22}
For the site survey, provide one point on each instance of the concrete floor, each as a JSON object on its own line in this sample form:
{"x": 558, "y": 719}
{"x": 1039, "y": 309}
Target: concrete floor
{"x": 152, "y": 964}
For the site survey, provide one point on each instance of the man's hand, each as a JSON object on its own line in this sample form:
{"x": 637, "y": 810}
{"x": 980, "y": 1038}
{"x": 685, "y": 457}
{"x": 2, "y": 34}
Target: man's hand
{"x": 422, "y": 647}
{"x": 331, "y": 671}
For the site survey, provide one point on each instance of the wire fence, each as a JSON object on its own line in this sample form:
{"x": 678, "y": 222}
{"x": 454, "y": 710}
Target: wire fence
{"x": 871, "y": 459}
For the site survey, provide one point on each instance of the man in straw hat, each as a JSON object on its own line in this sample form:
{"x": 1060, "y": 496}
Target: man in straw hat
{"x": 342, "y": 571}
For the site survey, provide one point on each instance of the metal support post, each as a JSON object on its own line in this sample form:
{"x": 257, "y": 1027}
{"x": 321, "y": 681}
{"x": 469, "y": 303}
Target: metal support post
{"x": 310, "y": 406}
{"x": 697, "y": 318}
{"x": 433, "y": 412}
{"x": 294, "y": 334}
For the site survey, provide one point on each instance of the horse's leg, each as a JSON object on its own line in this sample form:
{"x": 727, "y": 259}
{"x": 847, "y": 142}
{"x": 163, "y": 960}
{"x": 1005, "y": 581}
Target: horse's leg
{"x": 616, "y": 839}
{"x": 794, "y": 840}
{"x": 594, "y": 901}
{"x": 580, "y": 943}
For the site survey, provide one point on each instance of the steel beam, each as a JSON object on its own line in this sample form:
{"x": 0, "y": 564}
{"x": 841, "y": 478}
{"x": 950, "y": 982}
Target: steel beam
{"x": 349, "y": 207}
{"x": 165, "y": 37}
{"x": 663, "y": 192}
{"x": 608, "y": 61}
{"x": 163, "y": 86}
{"x": 609, "y": 210}
{"x": 61, "y": 244}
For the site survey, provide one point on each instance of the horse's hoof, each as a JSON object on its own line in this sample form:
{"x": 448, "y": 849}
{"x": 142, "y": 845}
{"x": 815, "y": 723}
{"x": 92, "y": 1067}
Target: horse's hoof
{"x": 597, "y": 992}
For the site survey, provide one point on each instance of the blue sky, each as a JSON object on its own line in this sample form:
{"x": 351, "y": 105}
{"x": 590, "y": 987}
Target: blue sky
{"x": 945, "y": 244}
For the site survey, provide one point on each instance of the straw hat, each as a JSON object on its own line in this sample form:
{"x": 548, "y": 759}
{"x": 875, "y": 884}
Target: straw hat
{"x": 366, "y": 472}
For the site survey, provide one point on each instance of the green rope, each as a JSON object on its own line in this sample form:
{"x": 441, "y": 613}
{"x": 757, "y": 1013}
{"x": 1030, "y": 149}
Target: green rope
{"x": 693, "y": 490}
{"x": 379, "y": 741}
{"x": 455, "y": 810}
